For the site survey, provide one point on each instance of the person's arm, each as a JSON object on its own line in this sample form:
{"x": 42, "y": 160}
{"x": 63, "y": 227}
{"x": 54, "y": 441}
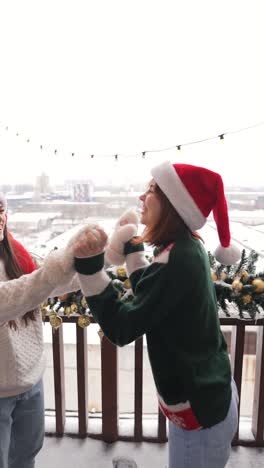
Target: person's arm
{"x": 18, "y": 296}
{"x": 70, "y": 284}
{"x": 122, "y": 322}
{"x": 55, "y": 277}
{"x": 136, "y": 262}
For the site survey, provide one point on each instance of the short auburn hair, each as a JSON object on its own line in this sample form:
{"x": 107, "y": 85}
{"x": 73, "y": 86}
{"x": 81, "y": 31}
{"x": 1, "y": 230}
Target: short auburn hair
{"x": 169, "y": 227}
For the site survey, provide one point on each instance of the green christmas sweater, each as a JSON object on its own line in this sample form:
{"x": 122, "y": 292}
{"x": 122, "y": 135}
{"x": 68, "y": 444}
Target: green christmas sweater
{"x": 175, "y": 306}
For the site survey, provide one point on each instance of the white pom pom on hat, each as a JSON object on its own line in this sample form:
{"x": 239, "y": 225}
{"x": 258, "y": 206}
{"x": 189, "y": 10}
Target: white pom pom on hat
{"x": 194, "y": 192}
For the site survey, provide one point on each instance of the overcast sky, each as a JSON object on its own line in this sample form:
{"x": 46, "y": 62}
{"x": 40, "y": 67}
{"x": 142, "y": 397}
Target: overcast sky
{"x": 114, "y": 76}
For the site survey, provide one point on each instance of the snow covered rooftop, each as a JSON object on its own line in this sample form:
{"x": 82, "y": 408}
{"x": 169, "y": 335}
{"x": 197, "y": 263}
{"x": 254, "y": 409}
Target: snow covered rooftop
{"x": 32, "y": 217}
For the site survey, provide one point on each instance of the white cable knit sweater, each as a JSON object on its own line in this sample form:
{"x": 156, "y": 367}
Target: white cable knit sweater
{"x": 22, "y": 360}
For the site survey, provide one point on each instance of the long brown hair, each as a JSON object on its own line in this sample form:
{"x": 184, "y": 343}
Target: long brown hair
{"x": 170, "y": 227}
{"x": 13, "y": 270}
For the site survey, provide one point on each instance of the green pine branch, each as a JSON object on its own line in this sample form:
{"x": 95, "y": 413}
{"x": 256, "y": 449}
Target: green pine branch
{"x": 234, "y": 286}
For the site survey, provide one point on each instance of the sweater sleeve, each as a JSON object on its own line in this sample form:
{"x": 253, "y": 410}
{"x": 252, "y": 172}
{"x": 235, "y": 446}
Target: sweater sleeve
{"x": 136, "y": 262}
{"x": 18, "y": 296}
{"x": 70, "y": 284}
{"x": 123, "y": 322}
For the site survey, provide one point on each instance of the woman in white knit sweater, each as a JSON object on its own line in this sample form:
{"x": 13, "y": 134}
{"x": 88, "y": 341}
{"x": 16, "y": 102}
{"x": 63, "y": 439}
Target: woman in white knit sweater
{"x": 22, "y": 358}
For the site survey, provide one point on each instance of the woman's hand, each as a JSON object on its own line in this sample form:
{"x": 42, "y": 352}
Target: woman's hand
{"x": 125, "y": 229}
{"x": 89, "y": 242}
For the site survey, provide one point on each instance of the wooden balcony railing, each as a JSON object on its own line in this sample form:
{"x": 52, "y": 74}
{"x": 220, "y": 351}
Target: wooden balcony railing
{"x": 240, "y": 343}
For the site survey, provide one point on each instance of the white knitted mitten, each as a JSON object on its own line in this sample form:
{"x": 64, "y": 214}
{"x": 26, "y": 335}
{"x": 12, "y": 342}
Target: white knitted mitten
{"x": 60, "y": 262}
{"x": 125, "y": 229}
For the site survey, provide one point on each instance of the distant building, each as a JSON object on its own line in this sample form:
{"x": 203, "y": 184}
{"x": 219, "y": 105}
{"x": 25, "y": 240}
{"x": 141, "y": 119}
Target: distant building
{"x": 260, "y": 202}
{"x": 245, "y": 200}
{"x": 81, "y": 190}
{"x": 42, "y": 186}
{"x": 17, "y": 201}
{"x": 242, "y": 204}
{"x": 23, "y": 188}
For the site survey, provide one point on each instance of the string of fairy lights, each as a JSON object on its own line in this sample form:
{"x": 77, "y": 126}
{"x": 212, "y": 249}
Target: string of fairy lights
{"x": 56, "y": 151}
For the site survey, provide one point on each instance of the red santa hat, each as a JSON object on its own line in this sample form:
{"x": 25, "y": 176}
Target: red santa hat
{"x": 194, "y": 192}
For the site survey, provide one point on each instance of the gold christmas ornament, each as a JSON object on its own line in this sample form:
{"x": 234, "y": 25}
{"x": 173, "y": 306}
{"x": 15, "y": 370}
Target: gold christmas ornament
{"x": 74, "y": 308}
{"x": 68, "y": 311}
{"x": 214, "y": 276}
{"x": 43, "y": 312}
{"x": 247, "y": 298}
{"x": 83, "y": 321}
{"x": 258, "y": 284}
{"x": 121, "y": 272}
{"x": 84, "y": 302}
{"x": 127, "y": 284}
{"x": 237, "y": 285}
{"x": 244, "y": 275}
{"x": 223, "y": 276}
{"x": 55, "y": 320}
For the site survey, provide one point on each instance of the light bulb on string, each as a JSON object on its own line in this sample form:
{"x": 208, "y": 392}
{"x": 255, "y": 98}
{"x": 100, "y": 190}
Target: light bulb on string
{"x": 143, "y": 153}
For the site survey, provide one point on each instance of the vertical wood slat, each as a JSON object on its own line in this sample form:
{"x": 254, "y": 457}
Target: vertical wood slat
{"x": 162, "y": 429}
{"x": 258, "y": 405}
{"x": 109, "y": 391}
{"x": 138, "y": 401}
{"x": 258, "y": 402}
{"x": 59, "y": 379}
{"x": 82, "y": 379}
{"x": 236, "y": 354}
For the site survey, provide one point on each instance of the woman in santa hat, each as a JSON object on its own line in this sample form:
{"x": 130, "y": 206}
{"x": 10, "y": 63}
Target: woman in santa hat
{"x": 174, "y": 305}
{"x": 22, "y": 361}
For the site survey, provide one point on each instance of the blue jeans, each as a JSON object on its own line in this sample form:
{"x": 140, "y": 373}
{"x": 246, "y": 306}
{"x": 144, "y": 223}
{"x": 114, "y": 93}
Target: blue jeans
{"x": 21, "y": 428}
{"x": 206, "y": 448}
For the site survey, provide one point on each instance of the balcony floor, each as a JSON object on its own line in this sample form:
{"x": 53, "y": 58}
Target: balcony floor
{"x": 69, "y": 452}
